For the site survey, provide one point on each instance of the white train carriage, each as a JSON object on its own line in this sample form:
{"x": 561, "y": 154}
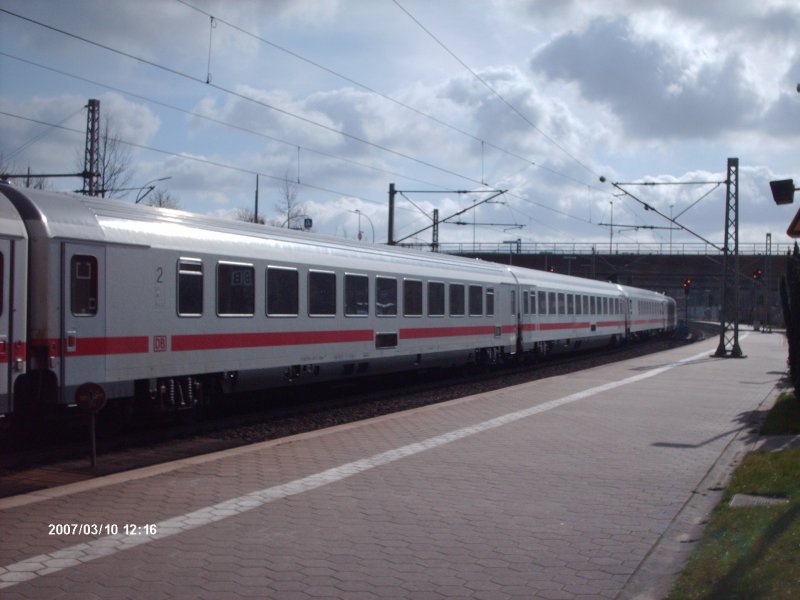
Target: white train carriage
{"x": 559, "y": 312}
{"x": 648, "y": 312}
{"x": 166, "y": 305}
{"x": 13, "y": 302}
{"x": 160, "y": 303}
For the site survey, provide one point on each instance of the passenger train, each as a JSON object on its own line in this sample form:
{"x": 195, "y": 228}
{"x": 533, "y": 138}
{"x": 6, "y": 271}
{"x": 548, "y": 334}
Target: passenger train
{"x": 168, "y": 307}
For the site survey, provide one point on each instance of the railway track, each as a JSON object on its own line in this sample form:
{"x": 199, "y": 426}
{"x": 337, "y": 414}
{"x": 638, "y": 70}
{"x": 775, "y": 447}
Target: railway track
{"x": 46, "y": 454}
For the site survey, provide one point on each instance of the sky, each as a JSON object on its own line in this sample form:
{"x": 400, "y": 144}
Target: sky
{"x": 565, "y": 106}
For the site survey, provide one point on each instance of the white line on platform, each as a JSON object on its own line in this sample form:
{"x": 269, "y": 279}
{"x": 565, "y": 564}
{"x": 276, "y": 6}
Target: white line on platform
{"x": 75, "y": 555}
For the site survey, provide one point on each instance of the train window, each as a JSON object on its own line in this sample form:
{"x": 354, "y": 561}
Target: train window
{"x": 456, "y": 300}
{"x": 562, "y": 305}
{"x": 551, "y": 303}
{"x": 83, "y": 276}
{"x": 236, "y": 290}
{"x": 475, "y": 301}
{"x": 526, "y": 306}
{"x": 321, "y": 294}
{"x": 435, "y": 299}
{"x": 283, "y": 296}
{"x": 542, "y": 302}
{"x": 570, "y": 304}
{"x": 190, "y": 287}
{"x": 592, "y": 306}
{"x": 605, "y": 306}
{"x": 356, "y": 295}
{"x": 490, "y": 302}
{"x": 412, "y": 298}
{"x": 385, "y": 297}
{"x": 514, "y": 303}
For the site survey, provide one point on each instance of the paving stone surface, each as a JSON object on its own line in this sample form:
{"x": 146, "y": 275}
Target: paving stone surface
{"x": 591, "y": 485}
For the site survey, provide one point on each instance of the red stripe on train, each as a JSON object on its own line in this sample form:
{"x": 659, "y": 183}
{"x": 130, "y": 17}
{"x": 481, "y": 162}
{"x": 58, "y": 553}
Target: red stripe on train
{"x": 415, "y": 333}
{"x": 227, "y": 341}
{"x": 110, "y": 345}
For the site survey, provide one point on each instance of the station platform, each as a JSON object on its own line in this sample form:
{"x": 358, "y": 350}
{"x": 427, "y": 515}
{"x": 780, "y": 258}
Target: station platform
{"x": 589, "y": 485}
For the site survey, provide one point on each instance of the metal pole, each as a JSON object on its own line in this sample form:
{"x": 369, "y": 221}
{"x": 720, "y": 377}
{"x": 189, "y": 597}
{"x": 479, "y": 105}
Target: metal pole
{"x": 92, "y": 436}
{"x": 392, "y": 193}
{"x": 255, "y": 212}
{"x": 91, "y": 155}
{"x": 729, "y": 315}
{"x": 767, "y": 294}
{"x": 611, "y": 231}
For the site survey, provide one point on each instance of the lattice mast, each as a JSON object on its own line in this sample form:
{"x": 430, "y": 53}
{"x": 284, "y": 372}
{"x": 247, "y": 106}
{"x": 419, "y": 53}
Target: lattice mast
{"x": 729, "y": 313}
{"x": 91, "y": 155}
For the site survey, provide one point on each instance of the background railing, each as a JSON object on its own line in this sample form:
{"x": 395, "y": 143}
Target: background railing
{"x": 583, "y": 248}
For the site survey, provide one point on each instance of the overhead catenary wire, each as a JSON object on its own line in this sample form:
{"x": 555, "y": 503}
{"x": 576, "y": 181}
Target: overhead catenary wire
{"x": 242, "y": 96}
{"x": 198, "y": 159}
{"x": 288, "y": 113}
{"x": 211, "y": 119}
{"x": 40, "y": 135}
{"x": 380, "y": 94}
{"x": 494, "y": 92}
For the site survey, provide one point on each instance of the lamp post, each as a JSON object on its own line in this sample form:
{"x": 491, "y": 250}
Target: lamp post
{"x": 359, "y": 213}
{"x": 611, "y": 231}
{"x": 670, "y": 229}
{"x": 147, "y": 188}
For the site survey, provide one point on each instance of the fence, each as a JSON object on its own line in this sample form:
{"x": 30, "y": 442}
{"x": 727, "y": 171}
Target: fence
{"x": 583, "y": 248}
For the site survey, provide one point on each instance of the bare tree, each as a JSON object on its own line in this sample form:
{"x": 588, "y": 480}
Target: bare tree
{"x": 248, "y": 215}
{"x": 5, "y": 166}
{"x": 32, "y": 181}
{"x": 288, "y": 206}
{"x": 38, "y": 183}
{"x": 163, "y": 199}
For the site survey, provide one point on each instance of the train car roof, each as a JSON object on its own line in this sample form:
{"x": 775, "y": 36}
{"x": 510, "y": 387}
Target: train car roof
{"x": 546, "y": 279}
{"x": 67, "y": 216}
{"x": 102, "y": 220}
{"x": 640, "y": 293}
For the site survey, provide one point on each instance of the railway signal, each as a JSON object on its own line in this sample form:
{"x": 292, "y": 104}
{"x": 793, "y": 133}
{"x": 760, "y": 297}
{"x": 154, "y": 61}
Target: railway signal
{"x": 687, "y": 284}
{"x": 758, "y": 274}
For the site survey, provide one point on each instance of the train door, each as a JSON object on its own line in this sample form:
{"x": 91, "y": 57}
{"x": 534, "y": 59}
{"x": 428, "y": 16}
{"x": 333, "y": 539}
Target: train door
{"x": 529, "y": 319}
{"x": 6, "y": 323}
{"x": 83, "y": 317}
{"x": 13, "y": 316}
{"x": 628, "y": 316}
{"x": 512, "y": 344}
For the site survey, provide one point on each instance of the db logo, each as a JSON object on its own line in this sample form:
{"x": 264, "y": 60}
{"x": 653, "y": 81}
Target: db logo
{"x": 159, "y": 343}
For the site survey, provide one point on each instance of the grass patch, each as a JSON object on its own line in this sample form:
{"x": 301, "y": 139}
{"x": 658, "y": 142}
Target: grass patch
{"x": 784, "y": 418}
{"x": 751, "y": 553}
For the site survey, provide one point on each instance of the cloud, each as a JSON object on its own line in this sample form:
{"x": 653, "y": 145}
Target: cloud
{"x": 648, "y": 86}
{"x": 133, "y": 121}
